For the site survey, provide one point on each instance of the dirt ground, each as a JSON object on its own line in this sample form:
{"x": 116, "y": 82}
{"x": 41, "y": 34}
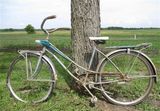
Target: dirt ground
{"x": 102, "y": 105}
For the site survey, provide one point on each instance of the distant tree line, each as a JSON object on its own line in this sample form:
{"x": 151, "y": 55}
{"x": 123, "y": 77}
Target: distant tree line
{"x": 11, "y": 30}
{"x": 107, "y": 28}
{"x": 123, "y": 28}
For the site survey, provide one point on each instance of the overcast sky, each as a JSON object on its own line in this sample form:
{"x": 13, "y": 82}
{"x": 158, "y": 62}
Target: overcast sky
{"x": 124, "y": 13}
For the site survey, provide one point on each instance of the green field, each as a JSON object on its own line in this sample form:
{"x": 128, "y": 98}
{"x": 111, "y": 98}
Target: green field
{"x": 63, "y": 97}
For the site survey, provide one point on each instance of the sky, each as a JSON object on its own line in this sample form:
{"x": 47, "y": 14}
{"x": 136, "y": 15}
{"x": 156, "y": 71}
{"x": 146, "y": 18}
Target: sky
{"x": 122, "y": 13}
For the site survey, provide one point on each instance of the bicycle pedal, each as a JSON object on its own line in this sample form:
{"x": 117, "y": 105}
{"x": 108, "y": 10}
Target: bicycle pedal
{"x": 94, "y": 99}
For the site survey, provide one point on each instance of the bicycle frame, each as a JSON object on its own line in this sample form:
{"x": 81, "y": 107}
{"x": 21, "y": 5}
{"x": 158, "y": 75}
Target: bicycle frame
{"x": 51, "y": 49}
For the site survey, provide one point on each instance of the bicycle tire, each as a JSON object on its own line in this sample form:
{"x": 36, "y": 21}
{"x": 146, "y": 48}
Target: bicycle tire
{"x": 122, "y": 92}
{"x": 27, "y": 89}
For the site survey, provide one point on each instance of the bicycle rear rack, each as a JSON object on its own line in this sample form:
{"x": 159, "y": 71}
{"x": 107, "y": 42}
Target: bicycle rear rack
{"x": 141, "y": 46}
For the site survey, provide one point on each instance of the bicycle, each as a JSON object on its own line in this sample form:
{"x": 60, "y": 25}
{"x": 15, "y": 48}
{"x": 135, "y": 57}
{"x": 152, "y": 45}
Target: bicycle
{"x": 124, "y": 76}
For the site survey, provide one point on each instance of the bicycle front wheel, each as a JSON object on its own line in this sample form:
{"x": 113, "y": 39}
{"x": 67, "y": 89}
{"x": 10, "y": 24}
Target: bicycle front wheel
{"x": 26, "y": 82}
{"x": 126, "y": 77}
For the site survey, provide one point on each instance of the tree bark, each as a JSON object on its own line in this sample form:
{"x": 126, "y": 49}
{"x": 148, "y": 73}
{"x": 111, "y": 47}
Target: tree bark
{"x": 85, "y": 22}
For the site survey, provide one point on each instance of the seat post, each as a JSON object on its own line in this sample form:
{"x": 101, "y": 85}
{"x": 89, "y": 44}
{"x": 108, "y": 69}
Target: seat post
{"x": 92, "y": 56}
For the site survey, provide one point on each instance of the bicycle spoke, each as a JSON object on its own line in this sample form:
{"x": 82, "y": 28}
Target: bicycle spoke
{"x": 133, "y": 64}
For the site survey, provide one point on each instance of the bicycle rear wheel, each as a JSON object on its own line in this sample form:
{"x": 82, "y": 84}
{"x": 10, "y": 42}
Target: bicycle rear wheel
{"x": 136, "y": 82}
{"x": 28, "y": 84}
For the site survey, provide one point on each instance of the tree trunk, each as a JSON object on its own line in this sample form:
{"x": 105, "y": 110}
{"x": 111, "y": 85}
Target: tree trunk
{"x": 85, "y": 22}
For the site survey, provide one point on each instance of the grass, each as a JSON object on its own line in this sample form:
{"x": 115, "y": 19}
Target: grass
{"x": 64, "y": 97}
{"x": 22, "y": 40}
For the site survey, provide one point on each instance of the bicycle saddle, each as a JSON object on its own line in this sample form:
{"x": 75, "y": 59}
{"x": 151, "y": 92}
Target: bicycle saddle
{"x": 99, "y": 40}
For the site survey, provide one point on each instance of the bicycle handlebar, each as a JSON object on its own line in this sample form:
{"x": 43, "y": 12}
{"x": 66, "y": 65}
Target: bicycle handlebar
{"x": 49, "y": 30}
{"x": 47, "y": 18}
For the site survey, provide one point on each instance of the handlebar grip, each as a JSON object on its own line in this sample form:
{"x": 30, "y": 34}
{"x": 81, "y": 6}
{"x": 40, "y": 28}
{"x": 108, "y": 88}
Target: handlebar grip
{"x": 51, "y": 17}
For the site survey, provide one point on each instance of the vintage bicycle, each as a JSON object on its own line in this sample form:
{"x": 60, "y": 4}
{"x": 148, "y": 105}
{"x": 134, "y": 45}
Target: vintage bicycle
{"x": 124, "y": 76}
